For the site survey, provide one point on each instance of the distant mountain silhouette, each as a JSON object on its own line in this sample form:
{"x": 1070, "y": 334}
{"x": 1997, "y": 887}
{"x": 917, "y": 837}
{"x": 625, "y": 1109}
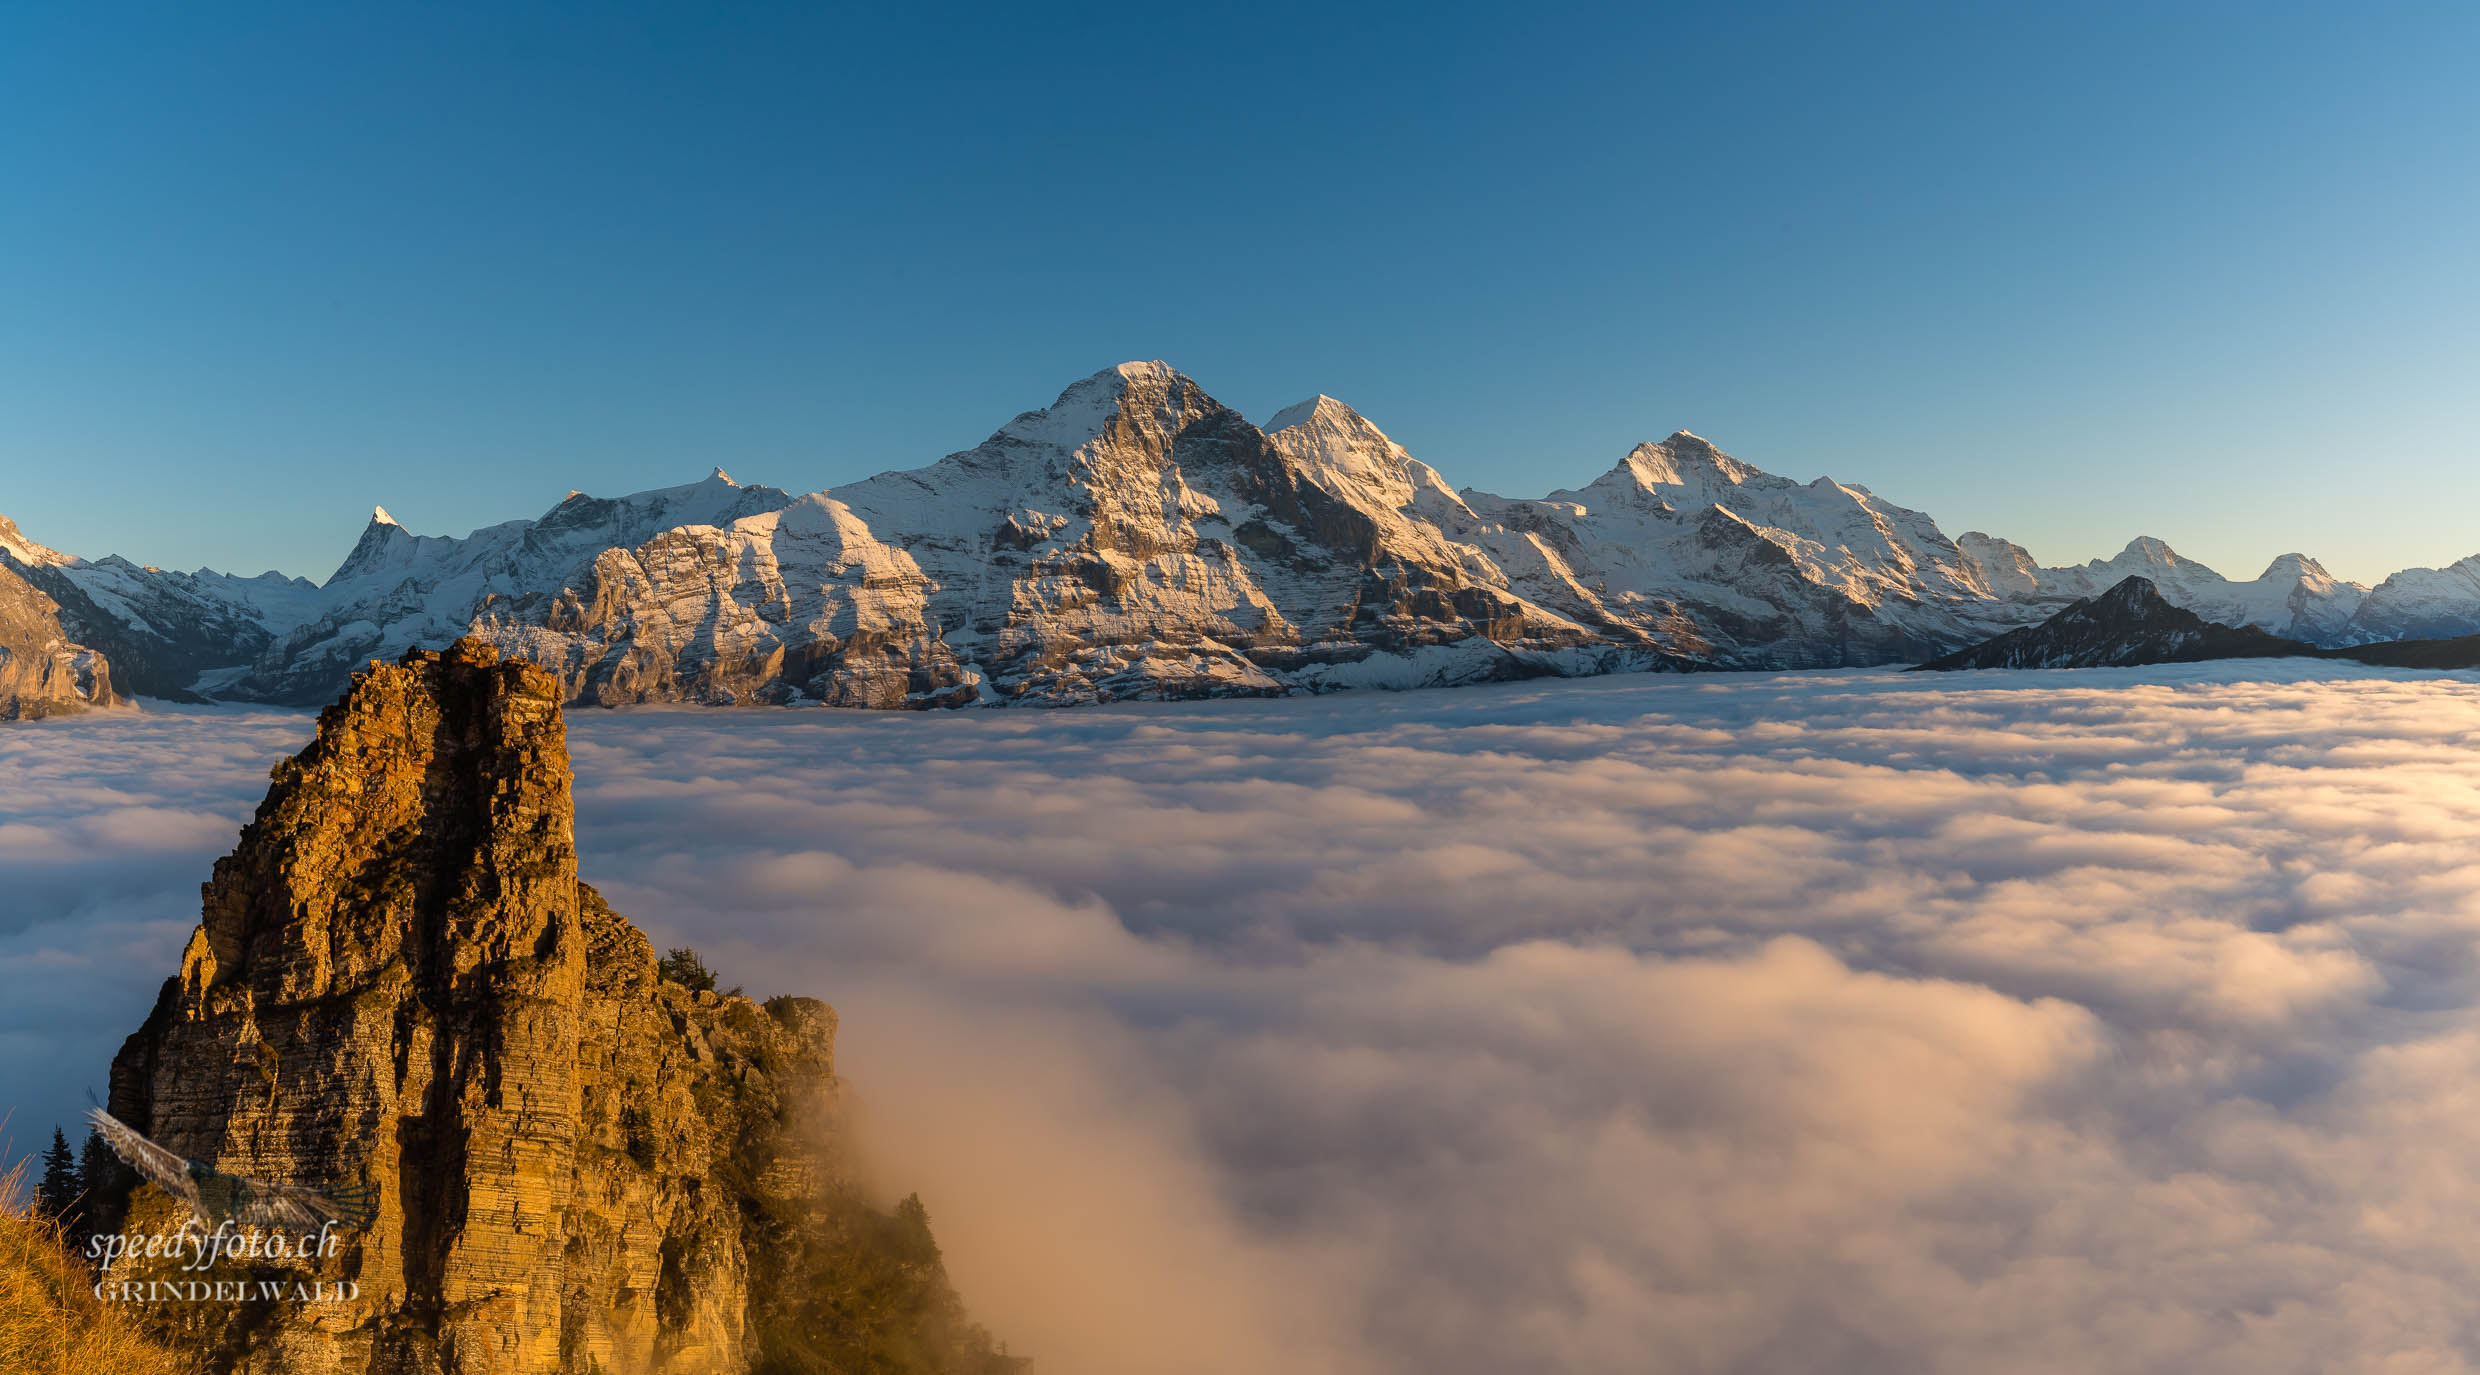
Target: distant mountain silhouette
{"x": 2129, "y": 624}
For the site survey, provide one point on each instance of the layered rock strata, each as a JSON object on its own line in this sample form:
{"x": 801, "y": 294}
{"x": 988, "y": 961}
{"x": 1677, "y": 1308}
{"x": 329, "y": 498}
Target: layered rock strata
{"x": 399, "y": 979}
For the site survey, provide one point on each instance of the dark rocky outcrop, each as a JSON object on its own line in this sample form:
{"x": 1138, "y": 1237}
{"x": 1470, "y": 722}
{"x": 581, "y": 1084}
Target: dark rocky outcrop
{"x": 582, "y": 1165}
{"x": 2127, "y": 625}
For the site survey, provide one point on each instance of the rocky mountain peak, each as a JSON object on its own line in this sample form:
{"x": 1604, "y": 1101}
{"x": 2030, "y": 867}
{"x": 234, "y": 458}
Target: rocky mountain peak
{"x": 440, "y": 787}
{"x": 1684, "y": 468}
{"x": 383, "y": 543}
{"x": 1320, "y": 409}
{"x": 14, "y": 544}
{"x": 2129, "y": 598}
{"x": 580, "y": 1160}
{"x": 2006, "y": 568}
{"x": 1342, "y": 448}
{"x": 2131, "y": 623}
{"x": 1088, "y": 406}
{"x": 2144, "y": 549}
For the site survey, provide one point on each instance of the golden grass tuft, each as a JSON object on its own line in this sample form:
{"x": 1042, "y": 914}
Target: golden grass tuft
{"x": 51, "y": 1323}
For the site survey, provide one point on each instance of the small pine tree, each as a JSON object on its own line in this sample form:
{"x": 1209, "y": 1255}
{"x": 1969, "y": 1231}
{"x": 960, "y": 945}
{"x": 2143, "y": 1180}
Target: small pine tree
{"x": 682, "y": 966}
{"x": 58, "y": 1191}
{"x": 909, "y": 1237}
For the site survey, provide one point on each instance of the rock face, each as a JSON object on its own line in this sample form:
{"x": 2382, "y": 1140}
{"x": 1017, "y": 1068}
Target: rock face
{"x": 1139, "y": 539}
{"x": 42, "y": 671}
{"x": 399, "y": 979}
{"x": 2129, "y": 624}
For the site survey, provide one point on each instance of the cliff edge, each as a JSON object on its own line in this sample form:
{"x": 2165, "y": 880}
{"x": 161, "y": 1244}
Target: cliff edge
{"x": 581, "y": 1165}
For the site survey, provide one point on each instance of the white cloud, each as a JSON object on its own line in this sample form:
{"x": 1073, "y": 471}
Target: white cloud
{"x": 2021, "y": 1022}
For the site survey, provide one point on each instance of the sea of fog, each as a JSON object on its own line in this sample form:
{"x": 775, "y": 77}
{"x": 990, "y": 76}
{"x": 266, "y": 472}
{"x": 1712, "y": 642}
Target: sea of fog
{"x": 2112, "y": 1020}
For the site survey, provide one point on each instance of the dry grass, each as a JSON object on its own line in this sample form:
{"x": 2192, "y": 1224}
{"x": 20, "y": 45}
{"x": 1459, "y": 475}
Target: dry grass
{"x": 51, "y": 1323}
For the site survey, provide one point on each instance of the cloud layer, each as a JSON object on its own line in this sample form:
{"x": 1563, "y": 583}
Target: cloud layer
{"x": 2019, "y": 1022}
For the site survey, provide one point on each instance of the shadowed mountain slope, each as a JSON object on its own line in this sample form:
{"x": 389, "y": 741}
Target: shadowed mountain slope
{"x": 2129, "y": 624}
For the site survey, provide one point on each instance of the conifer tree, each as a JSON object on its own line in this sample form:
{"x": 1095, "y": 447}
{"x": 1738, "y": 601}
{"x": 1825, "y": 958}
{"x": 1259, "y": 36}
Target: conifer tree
{"x": 57, "y": 1192}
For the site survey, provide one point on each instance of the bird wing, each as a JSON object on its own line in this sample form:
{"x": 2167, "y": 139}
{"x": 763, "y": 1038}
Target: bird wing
{"x": 294, "y": 1208}
{"x": 168, "y": 1171}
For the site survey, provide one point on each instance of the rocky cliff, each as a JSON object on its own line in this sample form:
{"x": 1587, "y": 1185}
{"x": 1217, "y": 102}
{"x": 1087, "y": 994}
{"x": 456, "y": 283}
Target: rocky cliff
{"x": 43, "y": 672}
{"x": 398, "y": 979}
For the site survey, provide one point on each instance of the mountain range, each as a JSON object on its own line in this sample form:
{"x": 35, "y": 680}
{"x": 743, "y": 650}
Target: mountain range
{"x": 2133, "y": 623}
{"x": 1138, "y": 538}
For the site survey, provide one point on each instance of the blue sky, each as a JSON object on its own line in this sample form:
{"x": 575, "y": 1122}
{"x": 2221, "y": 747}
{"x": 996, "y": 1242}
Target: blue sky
{"x": 2068, "y": 274}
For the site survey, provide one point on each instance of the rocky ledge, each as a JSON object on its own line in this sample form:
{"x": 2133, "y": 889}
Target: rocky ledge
{"x": 580, "y": 1163}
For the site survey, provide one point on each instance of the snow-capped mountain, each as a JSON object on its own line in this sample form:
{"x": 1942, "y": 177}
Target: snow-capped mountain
{"x": 397, "y": 590}
{"x": 2420, "y": 604}
{"x": 1139, "y": 539}
{"x": 2129, "y": 624}
{"x": 161, "y": 630}
{"x": 43, "y": 671}
{"x": 1739, "y": 568}
{"x": 2294, "y": 597}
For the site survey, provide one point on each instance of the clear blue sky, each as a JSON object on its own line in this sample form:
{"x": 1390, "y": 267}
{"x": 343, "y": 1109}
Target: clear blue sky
{"x": 2068, "y": 274}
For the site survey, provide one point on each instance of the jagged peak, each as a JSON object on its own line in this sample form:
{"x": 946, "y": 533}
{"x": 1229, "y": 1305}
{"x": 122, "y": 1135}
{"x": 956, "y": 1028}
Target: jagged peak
{"x": 1683, "y": 446}
{"x": 2146, "y": 549}
{"x": 2293, "y": 565}
{"x": 1316, "y": 408}
{"x": 26, "y": 551}
{"x": 362, "y": 776}
{"x": 384, "y": 543}
{"x": 1683, "y": 460}
{"x": 1333, "y": 439}
{"x": 1324, "y": 415}
{"x": 2132, "y": 593}
{"x": 719, "y": 475}
{"x": 1112, "y": 382}
{"x": 1085, "y": 408}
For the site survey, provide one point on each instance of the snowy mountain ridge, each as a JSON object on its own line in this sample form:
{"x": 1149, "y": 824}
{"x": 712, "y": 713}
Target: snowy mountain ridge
{"x": 1139, "y": 539}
